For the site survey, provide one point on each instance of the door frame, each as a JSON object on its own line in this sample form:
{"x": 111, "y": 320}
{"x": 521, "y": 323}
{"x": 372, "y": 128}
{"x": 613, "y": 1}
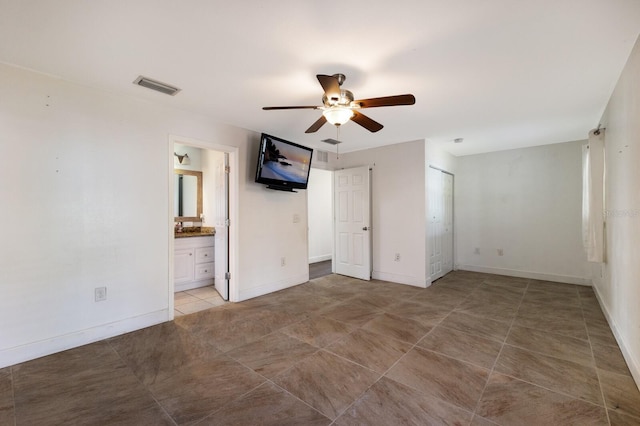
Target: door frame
{"x": 233, "y": 210}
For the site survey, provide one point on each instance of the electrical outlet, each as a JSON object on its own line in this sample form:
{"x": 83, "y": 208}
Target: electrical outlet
{"x": 283, "y": 261}
{"x": 296, "y": 218}
{"x": 100, "y": 294}
{"x": 500, "y": 252}
{"x": 397, "y": 257}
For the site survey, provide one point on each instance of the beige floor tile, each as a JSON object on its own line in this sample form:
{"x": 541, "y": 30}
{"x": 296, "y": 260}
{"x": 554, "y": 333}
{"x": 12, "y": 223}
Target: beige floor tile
{"x": 440, "y": 376}
{"x": 460, "y": 345}
{"x": 390, "y": 403}
{"x": 371, "y": 350}
{"x": 203, "y": 292}
{"x": 327, "y": 382}
{"x": 268, "y": 405}
{"x": 272, "y": 354}
{"x": 197, "y": 306}
{"x": 182, "y": 298}
{"x": 508, "y": 401}
{"x": 568, "y": 377}
{"x": 497, "y": 311}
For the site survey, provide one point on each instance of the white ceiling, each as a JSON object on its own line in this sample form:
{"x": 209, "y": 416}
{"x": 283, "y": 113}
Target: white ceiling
{"x": 499, "y": 73}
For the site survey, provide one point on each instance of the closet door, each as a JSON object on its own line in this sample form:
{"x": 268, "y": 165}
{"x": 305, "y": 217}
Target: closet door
{"x": 440, "y": 195}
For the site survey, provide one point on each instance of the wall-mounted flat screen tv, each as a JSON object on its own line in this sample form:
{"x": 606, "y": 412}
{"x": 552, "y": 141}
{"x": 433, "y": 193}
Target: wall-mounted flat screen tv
{"x": 283, "y": 165}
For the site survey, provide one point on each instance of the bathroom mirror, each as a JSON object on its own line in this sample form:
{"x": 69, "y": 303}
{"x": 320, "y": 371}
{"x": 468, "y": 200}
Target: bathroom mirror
{"x": 187, "y": 195}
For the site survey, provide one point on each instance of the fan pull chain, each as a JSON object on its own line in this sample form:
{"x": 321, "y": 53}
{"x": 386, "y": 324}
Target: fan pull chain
{"x": 338, "y": 145}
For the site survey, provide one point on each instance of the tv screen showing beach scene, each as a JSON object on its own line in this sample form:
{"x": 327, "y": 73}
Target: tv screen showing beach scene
{"x": 282, "y": 161}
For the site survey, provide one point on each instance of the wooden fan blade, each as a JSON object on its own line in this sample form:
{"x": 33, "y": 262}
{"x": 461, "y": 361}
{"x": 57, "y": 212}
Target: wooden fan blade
{"x": 289, "y": 107}
{"x": 330, "y": 85}
{"x": 387, "y": 101}
{"x": 315, "y": 126}
{"x": 369, "y": 124}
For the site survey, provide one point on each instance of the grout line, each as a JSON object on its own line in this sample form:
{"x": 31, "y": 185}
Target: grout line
{"x": 500, "y": 352}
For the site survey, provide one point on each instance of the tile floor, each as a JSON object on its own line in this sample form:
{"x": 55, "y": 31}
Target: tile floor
{"x": 472, "y": 349}
{"x": 195, "y": 300}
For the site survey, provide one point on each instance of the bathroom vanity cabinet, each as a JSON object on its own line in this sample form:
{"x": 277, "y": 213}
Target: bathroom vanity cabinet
{"x": 193, "y": 262}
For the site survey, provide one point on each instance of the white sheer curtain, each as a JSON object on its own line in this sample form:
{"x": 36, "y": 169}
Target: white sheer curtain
{"x": 593, "y": 196}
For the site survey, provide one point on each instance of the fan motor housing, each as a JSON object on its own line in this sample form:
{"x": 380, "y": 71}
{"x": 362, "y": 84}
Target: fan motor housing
{"x": 345, "y": 99}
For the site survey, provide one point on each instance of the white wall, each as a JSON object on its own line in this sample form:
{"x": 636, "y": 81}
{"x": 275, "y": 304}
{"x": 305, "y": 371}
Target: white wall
{"x": 528, "y": 203}
{"x": 398, "y": 209}
{"x": 85, "y": 202}
{"x": 320, "y": 207}
{"x": 619, "y": 289}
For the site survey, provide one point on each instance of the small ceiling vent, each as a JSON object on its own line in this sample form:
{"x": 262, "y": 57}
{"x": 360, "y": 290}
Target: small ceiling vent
{"x": 156, "y": 85}
{"x": 331, "y": 141}
{"x": 322, "y": 157}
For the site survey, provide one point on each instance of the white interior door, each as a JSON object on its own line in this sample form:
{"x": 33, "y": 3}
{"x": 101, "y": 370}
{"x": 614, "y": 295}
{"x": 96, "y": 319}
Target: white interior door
{"x": 222, "y": 225}
{"x": 352, "y": 219}
{"x": 440, "y": 196}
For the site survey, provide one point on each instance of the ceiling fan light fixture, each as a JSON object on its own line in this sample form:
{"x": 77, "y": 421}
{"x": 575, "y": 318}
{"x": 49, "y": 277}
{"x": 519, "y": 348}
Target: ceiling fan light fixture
{"x": 338, "y": 115}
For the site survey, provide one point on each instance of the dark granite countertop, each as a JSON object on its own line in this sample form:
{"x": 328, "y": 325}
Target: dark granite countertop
{"x": 196, "y": 231}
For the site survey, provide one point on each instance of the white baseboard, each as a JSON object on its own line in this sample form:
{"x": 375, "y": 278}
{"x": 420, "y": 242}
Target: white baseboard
{"x": 50, "y": 346}
{"x": 261, "y": 290}
{"x": 526, "y": 274}
{"x": 400, "y": 279}
{"x": 632, "y": 363}
{"x": 316, "y": 259}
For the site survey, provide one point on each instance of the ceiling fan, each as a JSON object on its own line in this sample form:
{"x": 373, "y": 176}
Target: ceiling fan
{"x": 338, "y": 105}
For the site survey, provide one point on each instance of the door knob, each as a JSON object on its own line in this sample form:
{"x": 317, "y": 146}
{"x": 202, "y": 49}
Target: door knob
{"x": 365, "y": 228}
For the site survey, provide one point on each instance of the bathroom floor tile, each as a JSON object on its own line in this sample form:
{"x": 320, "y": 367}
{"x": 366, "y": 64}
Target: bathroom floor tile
{"x": 460, "y": 345}
{"x": 556, "y": 374}
{"x": 511, "y": 401}
{"x": 388, "y": 402}
{"x": 191, "y": 307}
{"x": 442, "y": 377}
{"x": 272, "y": 354}
{"x": 268, "y": 405}
{"x": 327, "y": 382}
{"x": 371, "y": 350}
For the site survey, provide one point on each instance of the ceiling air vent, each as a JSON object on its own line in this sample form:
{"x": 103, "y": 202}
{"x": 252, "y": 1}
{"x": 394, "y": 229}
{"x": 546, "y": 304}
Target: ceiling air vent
{"x": 331, "y": 141}
{"x": 322, "y": 157}
{"x": 156, "y": 85}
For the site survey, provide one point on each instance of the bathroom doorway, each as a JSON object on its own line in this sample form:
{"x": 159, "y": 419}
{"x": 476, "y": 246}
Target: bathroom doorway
{"x": 217, "y": 165}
